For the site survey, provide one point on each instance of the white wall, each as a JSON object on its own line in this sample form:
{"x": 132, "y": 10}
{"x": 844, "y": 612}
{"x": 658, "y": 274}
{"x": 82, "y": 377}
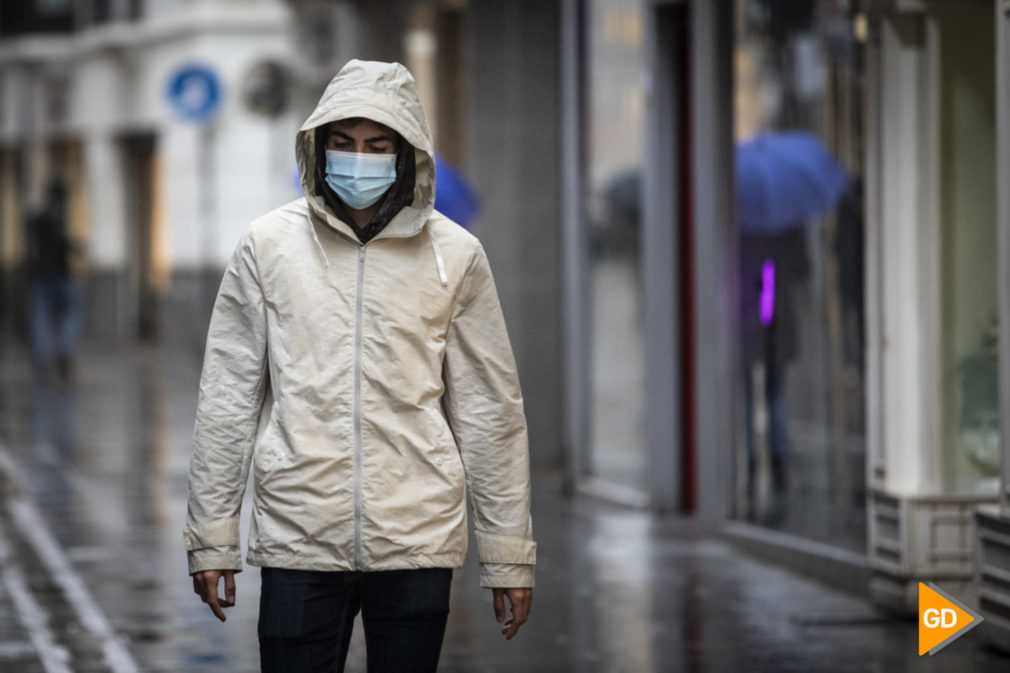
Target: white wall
{"x": 225, "y": 174}
{"x": 108, "y": 242}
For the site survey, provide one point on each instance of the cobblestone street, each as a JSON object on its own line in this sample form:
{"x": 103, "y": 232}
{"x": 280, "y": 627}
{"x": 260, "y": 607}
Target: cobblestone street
{"x": 93, "y": 574}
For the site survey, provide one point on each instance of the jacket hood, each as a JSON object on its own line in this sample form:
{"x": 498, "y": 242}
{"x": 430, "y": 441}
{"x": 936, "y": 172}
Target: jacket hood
{"x": 385, "y": 93}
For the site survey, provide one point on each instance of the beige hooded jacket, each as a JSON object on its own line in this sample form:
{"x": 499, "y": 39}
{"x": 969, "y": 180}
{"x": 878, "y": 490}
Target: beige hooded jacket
{"x": 371, "y": 387}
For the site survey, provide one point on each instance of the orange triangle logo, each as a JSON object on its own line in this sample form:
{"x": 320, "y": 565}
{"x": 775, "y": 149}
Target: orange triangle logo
{"x": 942, "y": 619}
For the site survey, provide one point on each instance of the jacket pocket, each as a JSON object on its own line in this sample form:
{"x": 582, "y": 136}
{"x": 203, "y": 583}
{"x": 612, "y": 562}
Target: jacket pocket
{"x": 270, "y": 452}
{"x": 445, "y": 453}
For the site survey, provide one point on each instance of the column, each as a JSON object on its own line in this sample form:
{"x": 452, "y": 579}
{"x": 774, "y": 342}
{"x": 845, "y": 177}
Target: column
{"x": 512, "y": 142}
{"x": 107, "y": 305}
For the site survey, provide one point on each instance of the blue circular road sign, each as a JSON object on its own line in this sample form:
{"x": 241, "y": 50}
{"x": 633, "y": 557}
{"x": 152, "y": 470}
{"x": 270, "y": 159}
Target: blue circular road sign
{"x": 194, "y": 91}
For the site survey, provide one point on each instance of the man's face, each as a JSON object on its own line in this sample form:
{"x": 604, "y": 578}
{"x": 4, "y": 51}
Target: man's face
{"x": 360, "y": 135}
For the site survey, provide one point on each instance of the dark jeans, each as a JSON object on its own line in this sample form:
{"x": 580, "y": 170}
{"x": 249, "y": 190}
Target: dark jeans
{"x": 55, "y": 306}
{"x": 306, "y": 618}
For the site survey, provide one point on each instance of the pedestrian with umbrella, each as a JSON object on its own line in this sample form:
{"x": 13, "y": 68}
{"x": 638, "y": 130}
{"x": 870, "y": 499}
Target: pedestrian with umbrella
{"x": 783, "y": 179}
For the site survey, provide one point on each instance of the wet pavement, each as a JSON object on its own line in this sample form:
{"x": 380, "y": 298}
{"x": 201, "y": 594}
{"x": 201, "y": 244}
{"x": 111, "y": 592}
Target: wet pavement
{"x": 101, "y": 466}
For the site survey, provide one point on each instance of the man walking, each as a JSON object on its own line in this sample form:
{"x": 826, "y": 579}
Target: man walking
{"x": 357, "y": 358}
{"x": 54, "y": 298}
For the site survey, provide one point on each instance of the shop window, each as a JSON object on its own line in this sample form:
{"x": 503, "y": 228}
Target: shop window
{"x": 615, "y": 131}
{"x": 966, "y": 163}
{"x": 40, "y": 16}
{"x": 101, "y": 11}
{"x": 106, "y": 11}
{"x": 799, "y": 209}
{"x": 53, "y": 6}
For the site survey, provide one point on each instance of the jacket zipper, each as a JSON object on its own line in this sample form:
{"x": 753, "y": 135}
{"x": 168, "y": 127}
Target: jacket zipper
{"x": 357, "y": 409}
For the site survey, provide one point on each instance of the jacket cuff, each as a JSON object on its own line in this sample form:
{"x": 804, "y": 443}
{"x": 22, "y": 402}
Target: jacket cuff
{"x": 506, "y": 576}
{"x": 217, "y": 533}
{"x": 503, "y": 549}
{"x": 215, "y": 558}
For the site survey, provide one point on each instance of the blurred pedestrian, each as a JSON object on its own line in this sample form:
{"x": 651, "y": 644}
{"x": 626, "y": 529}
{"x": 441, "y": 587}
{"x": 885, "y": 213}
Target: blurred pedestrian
{"x": 772, "y": 268}
{"x": 366, "y": 328}
{"x": 53, "y": 298}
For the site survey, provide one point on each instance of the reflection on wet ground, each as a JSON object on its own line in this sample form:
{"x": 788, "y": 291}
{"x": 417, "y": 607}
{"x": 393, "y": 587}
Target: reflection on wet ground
{"x": 105, "y": 461}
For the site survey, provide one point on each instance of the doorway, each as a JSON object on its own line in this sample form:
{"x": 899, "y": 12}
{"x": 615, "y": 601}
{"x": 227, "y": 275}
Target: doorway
{"x": 629, "y": 265}
{"x": 143, "y": 269}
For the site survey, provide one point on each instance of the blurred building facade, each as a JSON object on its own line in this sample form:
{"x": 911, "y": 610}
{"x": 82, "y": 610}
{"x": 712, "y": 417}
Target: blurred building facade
{"x": 151, "y": 112}
{"x": 854, "y": 432}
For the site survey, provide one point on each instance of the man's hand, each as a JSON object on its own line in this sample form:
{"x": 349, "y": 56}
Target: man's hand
{"x": 520, "y": 600}
{"x": 205, "y": 585}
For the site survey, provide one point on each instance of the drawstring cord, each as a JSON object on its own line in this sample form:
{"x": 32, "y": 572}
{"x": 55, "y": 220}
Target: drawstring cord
{"x": 315, "y": 237}
{"x": 438, "y": 261}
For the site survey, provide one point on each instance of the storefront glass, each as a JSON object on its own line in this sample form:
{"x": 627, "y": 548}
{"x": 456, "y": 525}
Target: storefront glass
{"x": 615, "y": 110}
{"x": 799, "y": 156}
{"x": 967, "y": 211}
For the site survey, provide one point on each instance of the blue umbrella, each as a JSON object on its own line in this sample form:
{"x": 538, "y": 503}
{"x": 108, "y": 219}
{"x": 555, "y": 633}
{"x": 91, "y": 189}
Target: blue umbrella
{"x": 784, "y": 178}
{"x": 454, "y": 197}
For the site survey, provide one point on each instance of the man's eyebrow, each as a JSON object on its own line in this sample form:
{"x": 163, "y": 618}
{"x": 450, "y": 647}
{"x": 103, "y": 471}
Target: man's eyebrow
{"x": 374, "y": 139}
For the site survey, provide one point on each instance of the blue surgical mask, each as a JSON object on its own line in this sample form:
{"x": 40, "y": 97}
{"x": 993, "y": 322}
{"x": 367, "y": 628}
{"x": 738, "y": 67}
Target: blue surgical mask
{"x": 360, "y": 179}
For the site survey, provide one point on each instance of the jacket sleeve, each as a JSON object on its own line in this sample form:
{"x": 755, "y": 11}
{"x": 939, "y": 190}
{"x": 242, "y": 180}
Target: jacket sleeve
{"x": 484, "y": 406}
{"x": 232, "y": 389}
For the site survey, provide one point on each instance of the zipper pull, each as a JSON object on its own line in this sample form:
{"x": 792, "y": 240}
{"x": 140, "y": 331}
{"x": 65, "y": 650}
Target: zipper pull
{"x": 361, "y": 254}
